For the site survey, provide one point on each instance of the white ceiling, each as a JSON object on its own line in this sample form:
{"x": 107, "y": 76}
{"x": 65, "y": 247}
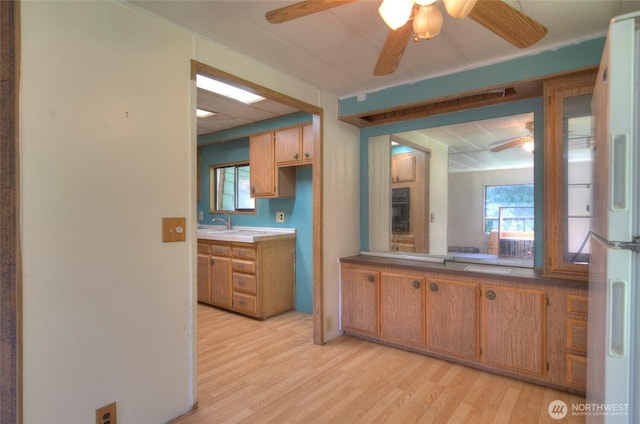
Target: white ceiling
{"x": 470, "y": 143}
{"x": 337, "y": 49}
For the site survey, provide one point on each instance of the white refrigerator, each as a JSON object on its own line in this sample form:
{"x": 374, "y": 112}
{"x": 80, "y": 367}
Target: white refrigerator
{"x": 613, "y": 354}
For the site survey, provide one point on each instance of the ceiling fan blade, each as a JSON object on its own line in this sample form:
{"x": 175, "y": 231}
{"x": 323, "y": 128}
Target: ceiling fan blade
{"x": 507, "y": 22}
{"x": 393, "y": 49}
{"x": 511, "y": 143}
{"x": 303, "y": 8}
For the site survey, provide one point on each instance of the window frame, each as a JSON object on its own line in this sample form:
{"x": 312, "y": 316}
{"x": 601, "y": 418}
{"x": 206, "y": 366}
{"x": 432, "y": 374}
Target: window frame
{"x": 554, "y": 93}
{"x": 485, "y": 217}
{"x": 213, "y": 192}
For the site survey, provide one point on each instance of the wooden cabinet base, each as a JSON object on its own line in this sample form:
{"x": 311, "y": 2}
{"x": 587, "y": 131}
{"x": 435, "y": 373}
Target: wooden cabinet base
{"x": 255, "y": 279}
{"x": 523, "y": 328}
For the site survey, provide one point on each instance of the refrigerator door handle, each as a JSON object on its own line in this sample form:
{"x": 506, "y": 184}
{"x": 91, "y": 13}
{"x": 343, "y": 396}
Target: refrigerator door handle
{"x": 617, "y": 321}
{"x": 619, "y": 172}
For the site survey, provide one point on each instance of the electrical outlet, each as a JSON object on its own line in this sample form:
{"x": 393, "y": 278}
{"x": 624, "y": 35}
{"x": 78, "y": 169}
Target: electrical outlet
{"x": 279, "y": 216}
{"x": 106, "y": 414}
{"x": 328, "y": 324}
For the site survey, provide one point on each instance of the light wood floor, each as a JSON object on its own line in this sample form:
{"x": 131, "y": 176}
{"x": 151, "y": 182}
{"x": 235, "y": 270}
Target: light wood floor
{"x": 269, "y": 371}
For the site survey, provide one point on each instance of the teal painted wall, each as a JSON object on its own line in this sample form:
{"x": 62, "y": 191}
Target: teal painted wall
{"x": 582, "y": 55}
{"x": 298, "y": 211}
{"x": 577, "y": 56}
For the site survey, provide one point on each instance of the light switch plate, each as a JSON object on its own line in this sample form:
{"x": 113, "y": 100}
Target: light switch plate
{"x": 173, "y": 229}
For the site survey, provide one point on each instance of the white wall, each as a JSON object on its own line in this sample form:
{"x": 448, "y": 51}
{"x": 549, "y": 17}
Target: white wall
{"x": 438, "y": 194}
{"x": 107, "y": 150}
{"x": 466, "y": 203}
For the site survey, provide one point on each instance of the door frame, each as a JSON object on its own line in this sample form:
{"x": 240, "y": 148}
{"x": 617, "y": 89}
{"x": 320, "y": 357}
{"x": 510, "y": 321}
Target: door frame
{"x": 10, "y": 258}
{"x": 317, "y": 121}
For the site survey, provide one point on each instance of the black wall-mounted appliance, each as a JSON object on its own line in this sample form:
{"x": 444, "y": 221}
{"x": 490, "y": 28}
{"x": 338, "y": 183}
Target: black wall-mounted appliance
{"x": 400, "y": 209}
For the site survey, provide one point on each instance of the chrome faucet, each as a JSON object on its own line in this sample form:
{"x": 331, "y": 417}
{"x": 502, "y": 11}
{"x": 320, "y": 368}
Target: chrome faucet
{"x": 226, "y": 222}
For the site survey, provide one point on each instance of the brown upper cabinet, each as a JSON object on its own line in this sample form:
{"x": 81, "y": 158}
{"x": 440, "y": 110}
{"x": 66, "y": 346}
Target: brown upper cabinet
{"x": 567, "y": 172}
{"x": 403, "y": 167}
{"x": 294, "y": 145}
{"x": 267, "y": 180}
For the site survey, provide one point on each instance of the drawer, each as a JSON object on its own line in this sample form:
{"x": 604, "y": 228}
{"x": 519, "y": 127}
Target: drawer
{"x": 244, "y": 252}
{"x": 220, "y": 250}
{"x": 403, "y": 238}
{"x": 248, "y": 267}
{"x": 403, "y": 247}
{"x": 577, "y": 305}
{"x": 244, "y": 303}
{"x": 203, "y": 248}
{"x": 577, "y": 371}
{"x": 577, "y": 335}
{"x": 245, "y": 283}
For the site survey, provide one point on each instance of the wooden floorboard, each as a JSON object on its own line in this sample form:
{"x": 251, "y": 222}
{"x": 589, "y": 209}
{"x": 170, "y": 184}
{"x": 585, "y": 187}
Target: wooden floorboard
{"x": 270, "y": 372}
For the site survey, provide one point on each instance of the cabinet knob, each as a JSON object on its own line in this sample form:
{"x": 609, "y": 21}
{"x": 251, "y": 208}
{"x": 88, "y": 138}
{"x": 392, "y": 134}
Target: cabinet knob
{"x": 433, "y": 287}
{"x": 253, "y": 189}
{"x": 416, "y": 284}
{"x": 306, "y": 155}
{"x": 296, "y": 156}
{"x": 491, "y": 295}
{"x": 213, "y": 262}
{"x": 371, "y": 278}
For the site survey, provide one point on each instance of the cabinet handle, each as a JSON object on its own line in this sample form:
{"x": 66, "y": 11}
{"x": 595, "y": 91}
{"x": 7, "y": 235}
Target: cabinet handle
{"x": 213, "y": 262}
{"x": 296, "y": 156}
{"x": 253, "y": 189}
{"x": 306, "y": 155}
{"x": 416, "y": 284}
{"x": 433, "y": 287}
{"x": 371, "y": 278}
{"x": 491, "y": 294}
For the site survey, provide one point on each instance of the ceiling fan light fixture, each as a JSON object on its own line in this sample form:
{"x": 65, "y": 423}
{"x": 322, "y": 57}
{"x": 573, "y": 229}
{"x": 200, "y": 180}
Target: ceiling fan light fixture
{"x": 528, "y": 146}
{"x": 395, "y": 13}
{"x": 459, "y": 8}
{"x": 424, "y": 2}
{"x": 427, "y": 22}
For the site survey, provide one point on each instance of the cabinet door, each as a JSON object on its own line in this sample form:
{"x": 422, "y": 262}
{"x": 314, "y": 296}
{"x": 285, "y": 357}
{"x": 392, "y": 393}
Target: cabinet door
{"x": 513, "y": 329}
{"x": 261, "y": 161}
{"x": 220, "y": 269}
{"x": 403, "y": 167}
{"x": 288, "y": 143}
{"x": 452, "y": 318}
{"x": 402, "y": 308}
{"x": 307, "y": 143}
{"x": 360, "y": 300}
{"x": 204, "y": 288}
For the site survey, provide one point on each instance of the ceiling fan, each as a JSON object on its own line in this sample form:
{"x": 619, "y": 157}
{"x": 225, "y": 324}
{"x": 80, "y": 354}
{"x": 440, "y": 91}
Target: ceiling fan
{"x": 424, "y": 19}
{"x": 526, "y": 142}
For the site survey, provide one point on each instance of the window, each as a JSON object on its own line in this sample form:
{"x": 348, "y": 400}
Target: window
{"x": 509, "y": 208}
{"x": 230, "y": 190}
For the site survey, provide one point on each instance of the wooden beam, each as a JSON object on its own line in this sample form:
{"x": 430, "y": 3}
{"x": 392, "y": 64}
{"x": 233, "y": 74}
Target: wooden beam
{"x": 10, "y": 267}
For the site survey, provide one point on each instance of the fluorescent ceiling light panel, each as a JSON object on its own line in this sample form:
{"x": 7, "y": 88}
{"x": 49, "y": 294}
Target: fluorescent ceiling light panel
{"x": 226, "y": 90}
{"x": 201, "y": 113}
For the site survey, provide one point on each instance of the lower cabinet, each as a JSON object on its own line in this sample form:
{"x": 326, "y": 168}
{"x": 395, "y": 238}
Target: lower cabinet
{"x": 513, "y": 329}
{"x": 402, "y": 318}
{"x": 501, "y": 325}
{"x": 452, "y": 318}
{"x": 361, "y": 296}
{"x": 256, "y": 279}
